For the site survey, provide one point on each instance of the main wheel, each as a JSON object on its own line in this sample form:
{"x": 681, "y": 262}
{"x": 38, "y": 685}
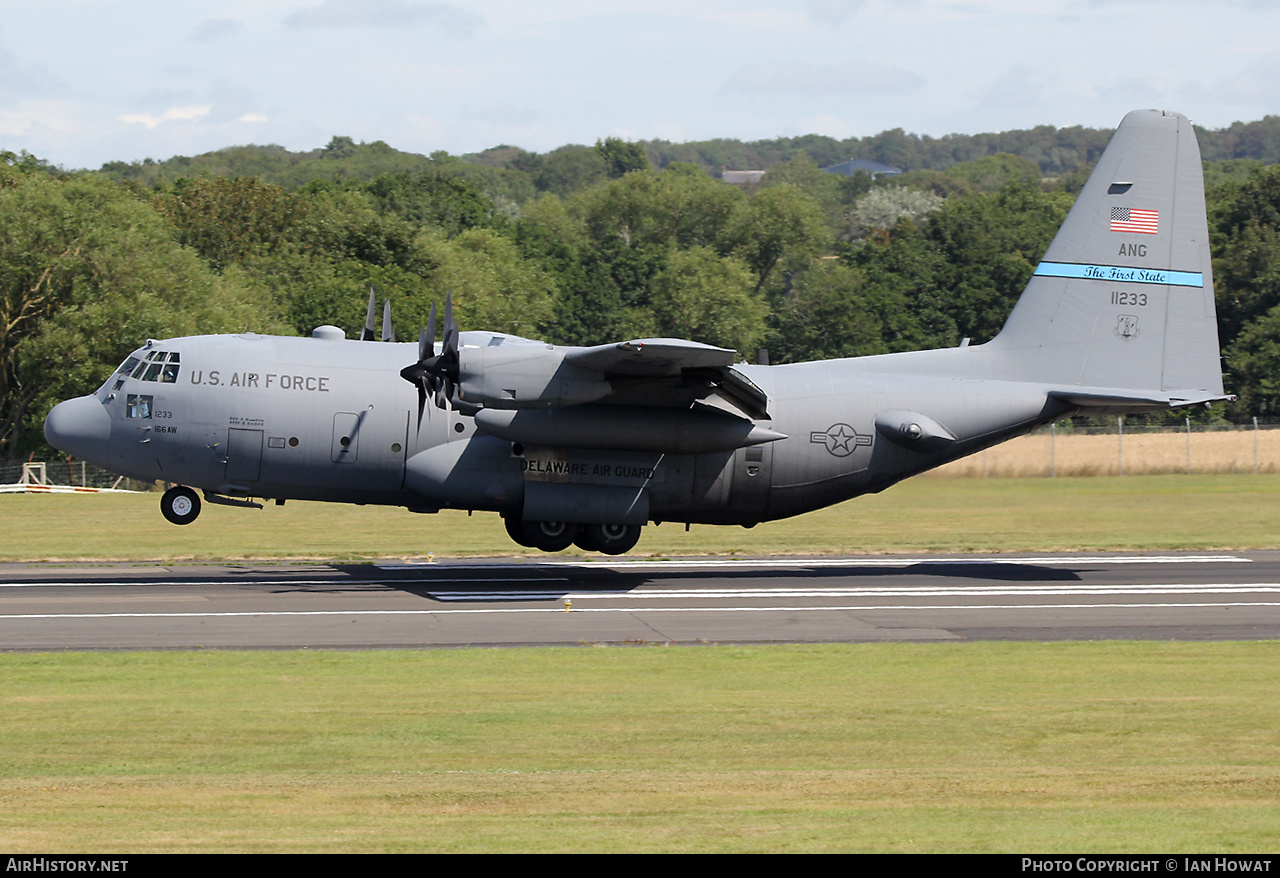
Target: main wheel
{"x": 612, "y": 539}
{"x": 180, "y": 505}
{"x": 550, "y": 536}
{"x": 588, "y": 538}
{"x": 516, "y": 530}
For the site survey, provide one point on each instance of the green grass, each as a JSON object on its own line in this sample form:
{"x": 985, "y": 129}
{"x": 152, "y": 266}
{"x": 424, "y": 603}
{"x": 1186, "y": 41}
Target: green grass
{"x": 1162, "y": 747}
{"x": 920, "y": 515}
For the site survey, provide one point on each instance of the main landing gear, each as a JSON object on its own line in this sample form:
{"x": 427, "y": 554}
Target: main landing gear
{"x": 556, "y": 536}
{"x": 180, "y": 505}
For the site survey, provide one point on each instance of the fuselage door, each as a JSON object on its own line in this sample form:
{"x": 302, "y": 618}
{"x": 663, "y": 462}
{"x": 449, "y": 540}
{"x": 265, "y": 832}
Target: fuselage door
{"x": 244, "y": 455}
{"x": 752, "y": 474}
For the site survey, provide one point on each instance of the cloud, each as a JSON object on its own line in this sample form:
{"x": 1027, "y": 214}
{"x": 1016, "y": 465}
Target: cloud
{"x": 385, "y": 13}
{"x": 820, "y": 80}
{"x": 834, "y": 12}
{"x": 1257, "y": 83}
{"x": 184, "y": 114}
{"x": 1018, "y": 88}
{"x": 20, "y": 81}
{"x": 216, "y": 29}
{"x": 1130, "y": 92}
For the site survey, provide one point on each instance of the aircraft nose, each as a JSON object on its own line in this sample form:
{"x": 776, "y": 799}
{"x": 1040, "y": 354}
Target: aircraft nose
{"x": 81, "y": 427}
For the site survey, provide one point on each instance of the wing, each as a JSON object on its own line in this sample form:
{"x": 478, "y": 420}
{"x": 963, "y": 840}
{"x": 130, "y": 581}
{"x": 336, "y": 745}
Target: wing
{"x": 689, "y": 369}
{"x": 508, "y": 372}
{"x": 651, "y": 357}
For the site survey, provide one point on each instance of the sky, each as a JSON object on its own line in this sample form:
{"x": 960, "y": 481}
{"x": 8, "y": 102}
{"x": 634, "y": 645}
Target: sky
{"x": 84, "y": 82}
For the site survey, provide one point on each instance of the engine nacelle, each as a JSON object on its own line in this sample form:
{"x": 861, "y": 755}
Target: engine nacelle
{"x": 699, "y": 430}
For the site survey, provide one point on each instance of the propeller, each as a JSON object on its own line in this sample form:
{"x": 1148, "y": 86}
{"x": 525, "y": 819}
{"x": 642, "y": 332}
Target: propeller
{"x": 435, "y": 374}
{"x": 370, "y": 332}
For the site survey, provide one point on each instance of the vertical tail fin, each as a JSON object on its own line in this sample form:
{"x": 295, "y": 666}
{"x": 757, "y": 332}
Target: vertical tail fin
{"x": 1124, "y": 296}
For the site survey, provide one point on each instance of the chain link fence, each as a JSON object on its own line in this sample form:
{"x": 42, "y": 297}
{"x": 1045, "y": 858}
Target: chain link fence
{"x": 15, "y": 474}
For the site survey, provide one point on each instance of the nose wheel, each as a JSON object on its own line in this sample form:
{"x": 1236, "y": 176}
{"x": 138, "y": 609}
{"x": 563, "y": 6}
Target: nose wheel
{"x": 180, "y": 505}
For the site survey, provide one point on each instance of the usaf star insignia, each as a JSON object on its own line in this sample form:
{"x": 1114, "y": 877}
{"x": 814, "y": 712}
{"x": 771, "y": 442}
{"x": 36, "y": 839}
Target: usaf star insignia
{"x": 841, "y": 440}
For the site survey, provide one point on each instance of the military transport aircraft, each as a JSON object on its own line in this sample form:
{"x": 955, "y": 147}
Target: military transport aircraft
{"x": 587, "y": 444}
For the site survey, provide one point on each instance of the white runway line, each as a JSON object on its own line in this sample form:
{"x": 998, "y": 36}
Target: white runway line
{"x": 642, "y": 602}
{"x": 640, "y": 610}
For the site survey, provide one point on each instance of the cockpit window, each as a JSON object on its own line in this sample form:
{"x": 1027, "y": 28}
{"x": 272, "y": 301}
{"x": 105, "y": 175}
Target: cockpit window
{"x": 159, "y": 366}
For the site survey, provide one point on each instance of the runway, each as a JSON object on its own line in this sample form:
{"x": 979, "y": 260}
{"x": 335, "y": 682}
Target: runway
{"x": 1233, "y": 596}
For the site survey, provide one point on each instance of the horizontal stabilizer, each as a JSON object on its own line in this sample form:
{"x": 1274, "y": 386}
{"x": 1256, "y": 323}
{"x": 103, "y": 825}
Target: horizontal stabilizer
{"x": 1102, "y": 402}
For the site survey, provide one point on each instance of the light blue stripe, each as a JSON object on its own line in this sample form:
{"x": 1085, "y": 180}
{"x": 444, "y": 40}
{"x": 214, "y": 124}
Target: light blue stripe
{"x": 1121, "y": 274}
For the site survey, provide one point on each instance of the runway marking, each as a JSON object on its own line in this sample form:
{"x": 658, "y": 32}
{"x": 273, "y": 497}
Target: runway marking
{"x": 596, "y": 610}
{"x": 964, "y": 593}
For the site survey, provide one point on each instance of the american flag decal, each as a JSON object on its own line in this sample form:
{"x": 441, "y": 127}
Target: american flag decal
{"x": 1131, "y": 219}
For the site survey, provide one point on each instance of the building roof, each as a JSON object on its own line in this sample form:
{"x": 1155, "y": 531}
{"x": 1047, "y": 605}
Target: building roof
{"x": 852, "y": 167}
{"x": 741, "y": 177}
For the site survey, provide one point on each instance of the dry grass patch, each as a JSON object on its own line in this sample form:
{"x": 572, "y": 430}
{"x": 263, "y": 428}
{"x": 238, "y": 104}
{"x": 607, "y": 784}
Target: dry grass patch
{"x": 1045, "y": 453}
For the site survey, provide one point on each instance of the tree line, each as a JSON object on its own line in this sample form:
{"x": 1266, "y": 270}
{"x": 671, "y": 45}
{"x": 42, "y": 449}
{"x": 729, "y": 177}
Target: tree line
{"x": 582, "y": 245}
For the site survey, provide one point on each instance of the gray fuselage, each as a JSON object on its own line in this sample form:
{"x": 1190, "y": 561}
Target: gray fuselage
{"x": 323, "y": 419}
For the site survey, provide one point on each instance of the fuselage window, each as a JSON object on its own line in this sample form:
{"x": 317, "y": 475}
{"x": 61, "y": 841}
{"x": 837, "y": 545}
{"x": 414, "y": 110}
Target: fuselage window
{"x": 138, "y": 406}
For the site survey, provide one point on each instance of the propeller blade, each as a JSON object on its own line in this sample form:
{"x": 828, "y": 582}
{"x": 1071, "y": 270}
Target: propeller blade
{"x": 427, "y": 341}
{"x": 450, "y": 330}
{"x": 368, "y": 333}
{"x": 388, "y": 331}
{"x": 422, "y": 403}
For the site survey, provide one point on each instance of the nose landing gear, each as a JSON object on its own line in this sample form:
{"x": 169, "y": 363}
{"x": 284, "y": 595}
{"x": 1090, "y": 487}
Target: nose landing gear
{"x": 180, "y": 505}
